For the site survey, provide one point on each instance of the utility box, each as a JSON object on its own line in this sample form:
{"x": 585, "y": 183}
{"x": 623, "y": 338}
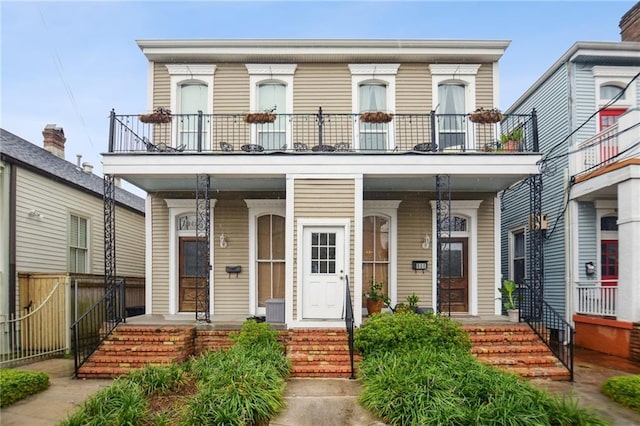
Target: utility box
{"x": 275, "y": 310}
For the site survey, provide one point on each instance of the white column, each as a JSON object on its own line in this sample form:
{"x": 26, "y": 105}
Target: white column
{"x": 629, "y": 250}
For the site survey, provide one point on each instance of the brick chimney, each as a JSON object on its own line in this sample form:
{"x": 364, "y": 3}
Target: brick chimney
{"x": 630, "y": 24}
{"x": 54, "y": 140}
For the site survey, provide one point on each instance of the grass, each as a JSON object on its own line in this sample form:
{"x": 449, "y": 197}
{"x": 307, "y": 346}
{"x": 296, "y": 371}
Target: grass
{"x": 17, "y": 384}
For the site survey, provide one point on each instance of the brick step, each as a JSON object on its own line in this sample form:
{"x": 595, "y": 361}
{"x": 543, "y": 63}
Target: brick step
{"x": 303, "y": 358}
{"x": 498, "y": 339}
{"x": 136, "y": 359}
{"x": 522, "y": 360}
{"x": 544, "y": 373}
{"x": 328, "y": 371}
{"x": 506, "y": 329}
{"x": 317, "y": 349}
{"x": 139, "y": 349}
{"x": 102, "y": 372}
{"x": 133, "y": 339}
{"x": 510, "y": 349}
{"x": 317, "y": 339}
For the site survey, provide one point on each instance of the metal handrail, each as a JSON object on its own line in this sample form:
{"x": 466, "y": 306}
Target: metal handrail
{"x": 97, "y": 323}
{"x": 549, "y": 325}
{"x": 349, "y": 322}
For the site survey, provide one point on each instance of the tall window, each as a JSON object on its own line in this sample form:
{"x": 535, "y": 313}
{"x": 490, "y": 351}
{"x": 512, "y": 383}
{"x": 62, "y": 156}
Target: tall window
{"x": 518, "y": 257}
{"x": 270, "y": 258}
{"x": 78, "y": 248}
{"x": 373, "y": 98}
{"x": 451, "y": 118}
{"x": 375, "y": 251}
{"x": 193, "y": 98}
{"x": 272, "y": 97}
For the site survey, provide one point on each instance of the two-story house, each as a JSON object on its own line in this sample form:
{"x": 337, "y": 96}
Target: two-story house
{"x": 587, "y": 104}
{"x": 279, "y": 170}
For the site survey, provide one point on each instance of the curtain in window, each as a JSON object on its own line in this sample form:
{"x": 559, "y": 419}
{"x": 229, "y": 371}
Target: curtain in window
{"x": 451, "y": 121}
{"x": 610, "y": 91}
{"x": 375, "y": 251}
{"x": 270, "y": 96}
{"x": 373, "y": 97}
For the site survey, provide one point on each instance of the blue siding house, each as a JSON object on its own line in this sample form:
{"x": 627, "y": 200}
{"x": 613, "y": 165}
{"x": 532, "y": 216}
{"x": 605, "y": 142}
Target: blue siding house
{"x": 588, "y": 122}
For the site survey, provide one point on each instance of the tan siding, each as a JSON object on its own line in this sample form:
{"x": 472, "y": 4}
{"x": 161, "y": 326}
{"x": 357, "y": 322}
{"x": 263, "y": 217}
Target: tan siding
{"x": 231, "y": 89}
{"x": 161, "y": 86}
{"x": 231, "y": 293}
{"x": 486, "y": 263}
{"x": 160, "y": 255}
{"x": 484, "y": 87}
{"x": 322, "y": 85}
{"x": 413, "y": 89}
{"x": 42, "y": 244}
{"x": 325, "y": 198}
{"x": 414, "y": 222}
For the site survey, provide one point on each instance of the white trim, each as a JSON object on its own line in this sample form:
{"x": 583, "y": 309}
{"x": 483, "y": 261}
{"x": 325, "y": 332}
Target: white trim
{"x": 468, "y": 208}
{"x": 150, "y": 82}
{"x": 179, "y": 207}
{"x": 148, "y": 255}
{"x": 357, "y": 247}
{"x": 604, "y": 208}
{"x": 317, "y": 222}
{"x": 388, "y": 209}
{"x": 369, "y": 73}
{"x": 289, "y": 249}
{"x": 497, "y": 227}
{"x": 495, "y": 82}
{"x": 574, "y": 259}
{"x": 259, "y": 208}
{"x": 615, "y": 76}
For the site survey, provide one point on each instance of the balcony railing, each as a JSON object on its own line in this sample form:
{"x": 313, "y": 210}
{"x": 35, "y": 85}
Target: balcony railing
{"x": 597, "y": 151}
{"x": 321, "y": 132}
{"x": 597, "y": 300}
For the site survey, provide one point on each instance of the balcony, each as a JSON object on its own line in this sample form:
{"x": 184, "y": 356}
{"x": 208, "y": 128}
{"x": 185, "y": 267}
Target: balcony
{"x": 597, "y": 300}
{"x": 321, "y": 132}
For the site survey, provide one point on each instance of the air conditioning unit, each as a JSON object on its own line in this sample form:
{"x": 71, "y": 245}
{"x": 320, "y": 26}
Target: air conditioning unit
{"x": 536, "y": 225}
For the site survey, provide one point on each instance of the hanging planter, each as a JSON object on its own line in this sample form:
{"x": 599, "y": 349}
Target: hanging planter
{"x": 376, "y": 117}
{"x": 486, "y": 116}
{"x": 159, "y": 115}
{"x": 259, "y": 118}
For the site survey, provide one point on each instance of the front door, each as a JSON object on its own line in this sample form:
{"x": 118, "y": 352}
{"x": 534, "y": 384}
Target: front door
{"x": 609, "y": 262}
{"x": 188, "y": 273}
{"x": 453, "y": 291}
{"x": 323, "y": 273}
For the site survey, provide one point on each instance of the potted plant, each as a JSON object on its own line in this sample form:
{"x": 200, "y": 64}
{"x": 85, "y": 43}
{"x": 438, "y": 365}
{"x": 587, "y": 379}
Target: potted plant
{"x": 376, "y": 299}
{"x": 485, "y": 116}
{"x": 158, "y": 116}
{"x": 508, "y": 288}
{"x": 376, "y": 117}
{"x": 510, "y": 141}
{"x": 412, "y": 302}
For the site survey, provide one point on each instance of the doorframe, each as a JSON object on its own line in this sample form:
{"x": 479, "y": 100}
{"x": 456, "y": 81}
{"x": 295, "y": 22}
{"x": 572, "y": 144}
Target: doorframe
{"x": 469, "y": 210}
{"x": 302, "y": 223}
{"x": 179, "y": 207}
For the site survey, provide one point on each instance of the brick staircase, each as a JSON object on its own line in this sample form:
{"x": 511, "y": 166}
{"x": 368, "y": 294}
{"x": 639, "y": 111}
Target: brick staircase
{"x": 319, "y": 353}
{"x": 132, "y": 347}
{"x": 515, "y": 348}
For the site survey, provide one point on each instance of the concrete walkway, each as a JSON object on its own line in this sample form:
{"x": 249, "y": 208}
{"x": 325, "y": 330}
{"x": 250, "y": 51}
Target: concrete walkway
{"x": 316, "y": 402}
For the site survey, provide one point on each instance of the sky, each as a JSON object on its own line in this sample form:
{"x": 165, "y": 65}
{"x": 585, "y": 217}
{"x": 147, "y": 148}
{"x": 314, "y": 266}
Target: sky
{"x": 70, "y": 63}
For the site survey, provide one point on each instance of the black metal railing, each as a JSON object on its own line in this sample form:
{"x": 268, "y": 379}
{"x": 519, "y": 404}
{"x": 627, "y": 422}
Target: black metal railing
{"x": 95, "y": 325}
{"x": 349, "y": 321}
{"x": 322, "y": 132}
{"x": 548, "y": 324}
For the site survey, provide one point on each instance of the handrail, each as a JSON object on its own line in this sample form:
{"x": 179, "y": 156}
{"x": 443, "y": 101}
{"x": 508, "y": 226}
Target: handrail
{"x": 549, "y": 325}
{"x": 348, "y": 319}
{"x": 97, "y": 323}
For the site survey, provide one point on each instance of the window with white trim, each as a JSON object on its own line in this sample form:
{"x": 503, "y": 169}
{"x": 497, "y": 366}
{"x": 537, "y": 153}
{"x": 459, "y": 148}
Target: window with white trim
{"x": 609, "y": 83}
{"x": 270, "y": 258}
{"x": 193, "y": 99}
{"x": 375, "y": 251}
{"x": 517, "y": 255}
{"x": 373, "y": 89}
{"x": 78, "y": 245}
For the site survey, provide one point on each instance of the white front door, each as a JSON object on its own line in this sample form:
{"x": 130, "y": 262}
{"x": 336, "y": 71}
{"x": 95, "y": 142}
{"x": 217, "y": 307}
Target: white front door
{"x": 323, "y": 272}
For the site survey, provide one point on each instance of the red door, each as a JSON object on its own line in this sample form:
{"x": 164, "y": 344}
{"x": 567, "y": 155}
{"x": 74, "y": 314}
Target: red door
{"x": 609, "y": 262}
{"x": 609, "y": 143}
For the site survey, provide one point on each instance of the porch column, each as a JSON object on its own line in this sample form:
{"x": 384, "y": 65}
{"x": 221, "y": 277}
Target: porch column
{"x": 629, "y": 250}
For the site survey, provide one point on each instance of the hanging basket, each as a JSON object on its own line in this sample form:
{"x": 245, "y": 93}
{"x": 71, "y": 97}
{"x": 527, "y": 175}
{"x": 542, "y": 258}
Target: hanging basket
{"x": 259, "y": 118}
{"x": 486, "y": 116}
{"x": 376, "y": 117}
{"x": 159, "y": 115}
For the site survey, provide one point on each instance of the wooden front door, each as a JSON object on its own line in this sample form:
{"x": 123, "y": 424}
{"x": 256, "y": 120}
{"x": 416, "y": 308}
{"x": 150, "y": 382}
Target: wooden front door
{"x": 609, "y": 262}
{"x": 188, "y": 273}
{"x": 453, "y": 291}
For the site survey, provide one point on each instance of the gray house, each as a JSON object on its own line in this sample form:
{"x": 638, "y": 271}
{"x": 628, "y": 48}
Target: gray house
{"x": 587, "y": 108}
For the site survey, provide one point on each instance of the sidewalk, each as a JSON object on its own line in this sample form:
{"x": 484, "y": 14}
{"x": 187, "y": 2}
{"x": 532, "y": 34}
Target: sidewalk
{"x": 310, "y": 401}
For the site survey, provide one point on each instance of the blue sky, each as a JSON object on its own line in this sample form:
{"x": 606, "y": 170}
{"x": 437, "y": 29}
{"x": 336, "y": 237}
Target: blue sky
{"x": 70, "y": 63}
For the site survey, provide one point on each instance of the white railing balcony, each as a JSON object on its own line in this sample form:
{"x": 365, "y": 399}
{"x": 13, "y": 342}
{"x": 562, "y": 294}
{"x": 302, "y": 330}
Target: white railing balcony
{"x": 597, "y": 300}
{"x": 595, "y": 152}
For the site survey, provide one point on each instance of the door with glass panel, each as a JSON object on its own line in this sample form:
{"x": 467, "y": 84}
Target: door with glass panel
{"x": 451, "y": 117}
{"x": 189, "y": 271}
{"x": 270, "y": 259}
{"x": 373, "y": 98}
{"x": 193, "y": 98}
{"x": 453, "y": 285}
{"x": 272, "y": 98}
{"x": 323, "y": 273}
{"x": 375, "y": 253}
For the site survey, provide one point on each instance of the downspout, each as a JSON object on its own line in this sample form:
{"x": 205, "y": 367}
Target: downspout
{"x": 12, "y": 239}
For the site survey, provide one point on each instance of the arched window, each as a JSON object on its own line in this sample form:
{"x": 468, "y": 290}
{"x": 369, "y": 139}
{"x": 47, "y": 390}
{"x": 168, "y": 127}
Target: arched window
{"x": 272, "y": 96}
{"x": 270, "y": 258}
{"x": 610, "y": 91}
{"x": 373, "y": 98}
{"x": 375, "y": 251}
{"x": 192, "y": 98}
{"x": 451, "y": 116}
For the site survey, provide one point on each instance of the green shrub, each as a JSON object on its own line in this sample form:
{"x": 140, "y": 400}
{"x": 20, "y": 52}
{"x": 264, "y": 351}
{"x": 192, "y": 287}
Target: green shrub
{"x": 16, "y": 385}
{"x": 624, "y": 390}
{"x": 256, "y": 334}
{"x": 407, "y": 330}
{"x": 158, "y": 380}
{"x": 122, "y": 403}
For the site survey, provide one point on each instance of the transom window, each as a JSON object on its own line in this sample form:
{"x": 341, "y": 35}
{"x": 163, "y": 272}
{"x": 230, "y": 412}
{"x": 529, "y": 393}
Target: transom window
{"x": 270, "y": 258}
{"x": 455, "y": 224}
{"x": 375, "y": 251}
{"x": 610, "y": 91}
{"x": 78, "y": 248}
{"x": 609, "y": 223}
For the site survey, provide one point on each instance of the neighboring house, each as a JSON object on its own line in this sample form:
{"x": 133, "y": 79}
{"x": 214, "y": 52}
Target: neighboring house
{"x": 271, "y": 214}
{"x": 587, "y": 105}
{"x": 52, "y": 217}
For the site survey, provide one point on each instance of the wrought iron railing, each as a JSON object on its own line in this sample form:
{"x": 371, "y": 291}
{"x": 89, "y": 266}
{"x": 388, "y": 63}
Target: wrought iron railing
{"x": 349, "y": 322}
{"x": 321, "y": 132}
{"x": 548, "y": 324}
{"x": 95, "y": 325}
{"x": 597, "y": 300}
